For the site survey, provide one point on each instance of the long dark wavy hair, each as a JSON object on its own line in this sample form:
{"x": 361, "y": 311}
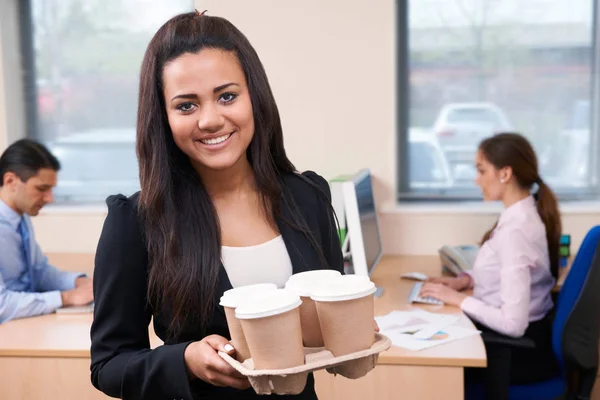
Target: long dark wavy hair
{"x": 513, "y": 150}
{"x": 179, "y": 219}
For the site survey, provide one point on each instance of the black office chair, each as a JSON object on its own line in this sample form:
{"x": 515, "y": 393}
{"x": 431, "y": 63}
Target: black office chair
{"x": 575, "y": 335}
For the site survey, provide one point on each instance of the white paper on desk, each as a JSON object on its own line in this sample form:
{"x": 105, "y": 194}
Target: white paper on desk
{"x": 400, "y": 326}
{"x": 410, "y": 321}
{"x": 446, "y": 335}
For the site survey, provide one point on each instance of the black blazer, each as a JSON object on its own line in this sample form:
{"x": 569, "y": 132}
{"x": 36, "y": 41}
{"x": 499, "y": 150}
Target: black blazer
{"x": 122, "y": 363}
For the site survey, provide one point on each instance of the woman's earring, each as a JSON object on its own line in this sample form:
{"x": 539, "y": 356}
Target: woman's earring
{"x": 501, "y": 180}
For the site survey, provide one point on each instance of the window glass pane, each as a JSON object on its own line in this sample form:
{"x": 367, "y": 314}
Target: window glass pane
{"x": 87, "y": 56}
{"x": 479, "y": 67}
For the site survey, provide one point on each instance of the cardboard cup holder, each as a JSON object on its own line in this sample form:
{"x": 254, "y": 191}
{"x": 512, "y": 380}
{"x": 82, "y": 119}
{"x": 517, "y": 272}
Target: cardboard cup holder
{"x": 293, "y": 380}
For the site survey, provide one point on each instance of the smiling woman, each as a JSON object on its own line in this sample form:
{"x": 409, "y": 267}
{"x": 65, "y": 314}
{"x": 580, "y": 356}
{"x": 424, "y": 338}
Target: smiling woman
{"x": 215, "y": 180}
{"x": 210, "y": 111}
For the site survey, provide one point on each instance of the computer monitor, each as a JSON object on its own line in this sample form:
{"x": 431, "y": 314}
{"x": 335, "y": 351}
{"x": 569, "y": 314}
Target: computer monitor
{"x": 363, "y": 241}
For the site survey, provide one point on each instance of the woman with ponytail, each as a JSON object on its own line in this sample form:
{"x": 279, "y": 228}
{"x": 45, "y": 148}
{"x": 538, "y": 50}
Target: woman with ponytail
{"x": 516, "y": 267}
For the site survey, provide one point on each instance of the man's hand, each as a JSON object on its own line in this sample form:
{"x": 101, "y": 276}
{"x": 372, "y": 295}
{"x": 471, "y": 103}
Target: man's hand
{"x": 81, "y": 295}
{"x": 83, "y": 280}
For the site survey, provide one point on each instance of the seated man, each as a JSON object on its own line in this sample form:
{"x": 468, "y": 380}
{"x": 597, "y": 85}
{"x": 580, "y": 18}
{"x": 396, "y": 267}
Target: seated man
{"x": 28, "y": 284}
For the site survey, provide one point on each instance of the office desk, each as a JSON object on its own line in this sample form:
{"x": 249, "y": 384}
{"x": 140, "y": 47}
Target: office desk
{"x": 428, "y": 374}
{"x": 47, "y": 357}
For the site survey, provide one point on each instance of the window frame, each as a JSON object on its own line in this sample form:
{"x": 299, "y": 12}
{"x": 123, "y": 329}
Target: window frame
{"x": 405, "y": 194}
{"x": 12, "y": 101}
{"x": 25, "y": 90}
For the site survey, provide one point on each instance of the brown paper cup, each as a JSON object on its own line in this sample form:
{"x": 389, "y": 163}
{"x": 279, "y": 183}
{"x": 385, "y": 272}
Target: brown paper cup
{"x": 309, "y": 320}
{"x": 347, "y": 326}
{"x": 275, "y": 342}
{"x": 303, "y": 285}
{"x": 238, "y": 340}
{"x": 230, "y": 300}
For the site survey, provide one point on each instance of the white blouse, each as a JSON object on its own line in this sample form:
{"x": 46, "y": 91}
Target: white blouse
{"x": 267, "y": 262}
{"x": 511, "y": 274}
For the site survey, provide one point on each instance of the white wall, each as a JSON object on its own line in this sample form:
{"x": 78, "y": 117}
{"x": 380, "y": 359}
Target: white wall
{"x": 331, "y": 67}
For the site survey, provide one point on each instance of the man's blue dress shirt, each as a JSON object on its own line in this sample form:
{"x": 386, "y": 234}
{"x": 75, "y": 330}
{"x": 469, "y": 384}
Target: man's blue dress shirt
{"x": 27, "y": 287}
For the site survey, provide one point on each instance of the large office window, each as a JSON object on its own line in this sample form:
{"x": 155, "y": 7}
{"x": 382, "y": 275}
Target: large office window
{"x": 81, "y": 60}
{"x": 471, "y": 68}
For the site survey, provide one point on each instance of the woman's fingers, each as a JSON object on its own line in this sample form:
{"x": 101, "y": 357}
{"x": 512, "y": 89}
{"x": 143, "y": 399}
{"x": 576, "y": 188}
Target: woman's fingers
{"x": 218, "y": 343}
{"x": 430, "y": 289}
{"x": 214, "y": 362}
{"x": 203, "y": 361}
{"x": 218, "y": 379}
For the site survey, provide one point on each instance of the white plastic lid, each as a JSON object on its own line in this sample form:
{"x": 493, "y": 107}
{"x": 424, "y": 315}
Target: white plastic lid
{"x": 272, "y": 303}
{"x": 356, "y": 278}
{"x": 234, "y": 297}
{"x": 304, "y": 283}
{"x": 315, "y": 274}
{"x": 343, "y": 288}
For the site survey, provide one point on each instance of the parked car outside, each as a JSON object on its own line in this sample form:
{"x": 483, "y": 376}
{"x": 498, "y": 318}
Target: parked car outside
{"x": 460, "y": 127}
{"x": 427, "y": 165}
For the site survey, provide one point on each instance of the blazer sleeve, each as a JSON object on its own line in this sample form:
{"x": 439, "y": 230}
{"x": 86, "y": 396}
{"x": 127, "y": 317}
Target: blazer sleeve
{"x": 122, "y": 363}
{"x": 330, "y": 239}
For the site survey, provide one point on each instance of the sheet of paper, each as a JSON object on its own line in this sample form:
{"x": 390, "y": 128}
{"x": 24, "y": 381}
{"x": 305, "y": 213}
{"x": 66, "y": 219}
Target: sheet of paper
{"x": 448, "y": 334}
{"x": 406, "y": 321}
{"x": 401, "y": 327}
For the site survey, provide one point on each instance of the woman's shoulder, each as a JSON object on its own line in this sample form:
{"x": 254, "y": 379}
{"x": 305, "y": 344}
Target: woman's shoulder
{"x": 123, "y": 210}
{"x": 122, "y": 202}
{"x": 307, "y": 185}
{"x": 526, "y": 226}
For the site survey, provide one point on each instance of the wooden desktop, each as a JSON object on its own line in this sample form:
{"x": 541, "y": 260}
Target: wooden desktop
{"x": 47, "y": 357}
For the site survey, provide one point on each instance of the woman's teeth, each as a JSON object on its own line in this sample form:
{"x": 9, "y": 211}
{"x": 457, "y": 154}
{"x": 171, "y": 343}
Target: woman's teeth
{"x": 216, "y": 140}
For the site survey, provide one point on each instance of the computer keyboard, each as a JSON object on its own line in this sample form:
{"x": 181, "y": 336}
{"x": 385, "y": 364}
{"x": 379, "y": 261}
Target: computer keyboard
{"x": 415, "y": 298}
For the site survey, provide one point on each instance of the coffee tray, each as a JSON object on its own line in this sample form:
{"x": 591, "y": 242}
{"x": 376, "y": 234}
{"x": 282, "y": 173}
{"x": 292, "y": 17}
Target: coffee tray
{"x": 293, "y": 380}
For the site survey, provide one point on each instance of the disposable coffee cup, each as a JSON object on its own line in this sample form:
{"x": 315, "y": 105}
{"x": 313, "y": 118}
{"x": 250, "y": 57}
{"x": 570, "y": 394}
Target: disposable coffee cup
{"x": 230, "y": 300}
{"x": 303, "y": 285}
{"x": 345, "y": 309}
{"x": 271, "y": 325}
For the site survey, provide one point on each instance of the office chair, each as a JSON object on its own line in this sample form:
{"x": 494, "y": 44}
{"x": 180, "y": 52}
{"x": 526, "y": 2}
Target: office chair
{"x": 575, "y": 333}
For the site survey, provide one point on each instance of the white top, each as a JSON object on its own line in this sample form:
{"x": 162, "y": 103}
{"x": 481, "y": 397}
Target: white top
{"x": 268, "y": 262}
{"x": 511, "y": 274}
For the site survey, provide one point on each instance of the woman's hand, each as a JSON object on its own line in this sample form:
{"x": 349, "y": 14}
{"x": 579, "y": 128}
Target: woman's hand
{"x": 203, "y": 362}
{"x": 443, "y": 293}
{"x": 459, "y": 283}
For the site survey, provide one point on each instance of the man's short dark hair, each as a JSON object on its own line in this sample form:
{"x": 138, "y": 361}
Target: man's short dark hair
{"x": 25, "y": 158}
